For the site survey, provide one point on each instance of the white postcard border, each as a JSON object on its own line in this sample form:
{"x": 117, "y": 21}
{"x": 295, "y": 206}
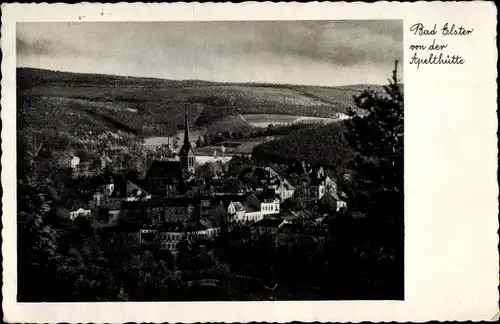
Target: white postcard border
{"x": 451, "y": 208}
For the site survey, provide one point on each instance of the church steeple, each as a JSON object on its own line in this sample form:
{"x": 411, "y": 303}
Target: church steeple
{"x": 186, "y": 131}
{"x": 187, "y": 157}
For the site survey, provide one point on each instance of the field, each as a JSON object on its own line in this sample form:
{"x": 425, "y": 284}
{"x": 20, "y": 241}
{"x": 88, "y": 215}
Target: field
{"x": 232, "y": 148}
{"x": 264, "y": 120}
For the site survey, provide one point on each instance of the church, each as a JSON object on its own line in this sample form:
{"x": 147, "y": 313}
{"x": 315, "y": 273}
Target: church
{"x": 169, "y": 178}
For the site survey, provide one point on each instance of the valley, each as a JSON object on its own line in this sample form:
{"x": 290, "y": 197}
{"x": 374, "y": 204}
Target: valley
{"x": 156, "y": 107}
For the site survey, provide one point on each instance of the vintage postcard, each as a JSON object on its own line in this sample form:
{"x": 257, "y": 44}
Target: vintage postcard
{"x": 247, "y": 162}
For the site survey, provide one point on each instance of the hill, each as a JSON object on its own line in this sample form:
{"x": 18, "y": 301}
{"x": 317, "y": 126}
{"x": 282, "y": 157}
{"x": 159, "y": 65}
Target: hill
{"x": 230, "y": 123}
{"x": 151, "y": 106}
{"x": 317, "y": 145}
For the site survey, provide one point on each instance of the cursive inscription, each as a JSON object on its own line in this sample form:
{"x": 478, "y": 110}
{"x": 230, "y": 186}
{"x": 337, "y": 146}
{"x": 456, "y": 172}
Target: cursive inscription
{"x": 432, "y": 53}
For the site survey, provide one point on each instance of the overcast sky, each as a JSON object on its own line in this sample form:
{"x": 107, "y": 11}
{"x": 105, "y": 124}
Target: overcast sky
{"x": 297, "y": 52}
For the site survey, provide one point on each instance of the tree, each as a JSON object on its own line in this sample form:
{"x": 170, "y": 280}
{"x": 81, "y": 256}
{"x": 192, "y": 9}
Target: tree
{"x": 36, "y": 246}
{"x": 232, "y": 185}
{"x": 199, "y": 142}
{"x": 103, "y": 214}
{"x": 377, "y": 138}
{"x": 294, "y": 203}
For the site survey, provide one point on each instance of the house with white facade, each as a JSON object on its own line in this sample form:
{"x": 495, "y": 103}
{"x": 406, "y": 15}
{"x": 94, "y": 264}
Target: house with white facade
{"x": 285, "y": 190}
{"x": 80, "y": 212}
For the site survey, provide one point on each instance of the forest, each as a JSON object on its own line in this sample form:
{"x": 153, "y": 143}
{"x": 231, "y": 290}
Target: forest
{"x": 317, "y": 145}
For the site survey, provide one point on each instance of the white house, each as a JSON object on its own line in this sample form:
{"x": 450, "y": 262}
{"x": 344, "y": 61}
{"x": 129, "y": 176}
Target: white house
{"x": 109, "y": 188}
{"x": 252, "y": 215}
{"x": 75, "y": 161}
{"x": 270, "y": 206}
{"x": 239, "y": 212}
{"x": 201, "y": 229}
{"x": 285, "y": 190}
{"x": 97, "y": 199}
{"x": 169, "y": 240}
{"x": 80, "y": 212}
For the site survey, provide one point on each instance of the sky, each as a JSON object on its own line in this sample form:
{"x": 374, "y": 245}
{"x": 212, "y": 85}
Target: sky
{"x": 327, "y": 53}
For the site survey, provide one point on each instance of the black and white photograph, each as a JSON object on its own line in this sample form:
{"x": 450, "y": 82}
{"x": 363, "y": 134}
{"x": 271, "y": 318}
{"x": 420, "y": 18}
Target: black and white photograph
{"x": 210, "y": 161}
{"x": 249, "y": 162}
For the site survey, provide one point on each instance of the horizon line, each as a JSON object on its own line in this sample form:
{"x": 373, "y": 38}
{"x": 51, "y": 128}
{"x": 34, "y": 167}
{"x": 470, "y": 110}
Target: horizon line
{"x": 208, "y": 81}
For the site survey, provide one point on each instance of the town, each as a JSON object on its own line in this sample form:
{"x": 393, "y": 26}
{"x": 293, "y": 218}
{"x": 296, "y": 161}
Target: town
{"x": 175, "y": 204}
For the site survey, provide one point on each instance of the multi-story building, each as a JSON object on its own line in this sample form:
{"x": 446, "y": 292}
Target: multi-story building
{"x": 169, "y": 236}
{"x": 163, "y": 210}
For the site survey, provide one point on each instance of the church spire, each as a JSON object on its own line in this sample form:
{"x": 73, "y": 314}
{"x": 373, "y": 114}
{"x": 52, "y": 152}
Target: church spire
{"x": 186, "y": 130}
{"x": 186, "y": 154}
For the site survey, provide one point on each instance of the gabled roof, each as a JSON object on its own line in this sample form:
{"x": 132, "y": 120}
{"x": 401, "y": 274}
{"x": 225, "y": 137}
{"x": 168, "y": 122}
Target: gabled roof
{"x": 250, "y": 209}
{"x": 133, "y": 189}
{"x": 73, "y": 205}
{"x": 199, "y": 225}
{"x": 238, "y": 206}
{"x": 330, "y": 197}
{"x": 286, "y": 184}
{"x": 226, "y": 200}
{"x": 207, "y": 223}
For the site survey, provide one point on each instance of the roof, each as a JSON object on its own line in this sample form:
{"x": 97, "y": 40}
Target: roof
{"x": 133, "y": 189}
{"x": 271, "y": 171}
{"x": 301, "y": 215}
{"x": 250, "y": 209}
{"x": 196, "y": 189}
{"x": 329, "y": 197}
{"x": 207, "y": 223}
{"x": 74, "y": 205}
{"x": 238, "y": 206}
{"x": 268, "y": 222}
{"x": 199, "y": 225}
{"x": 226, "y": 200}
{"x": 165, "y": 169}
{"x": 286, "y": 184}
